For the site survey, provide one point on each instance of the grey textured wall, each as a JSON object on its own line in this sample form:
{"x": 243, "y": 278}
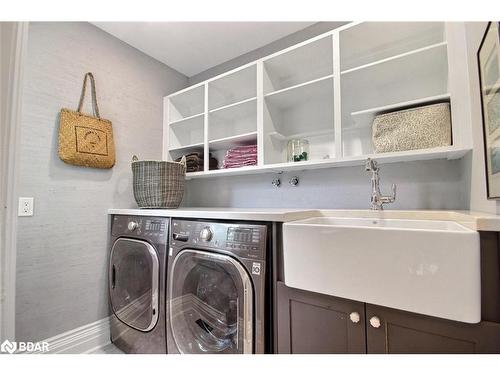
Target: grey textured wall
{"x": 61, "y": 259}
{"x": 435, "y": 184}
{"x": 285, "y": 42}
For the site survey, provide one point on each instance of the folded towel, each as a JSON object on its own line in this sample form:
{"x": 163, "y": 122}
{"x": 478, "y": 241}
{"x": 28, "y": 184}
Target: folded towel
{"x": 197, "y": 154}
{"x": 191, "y": 159}
{"x": 239, "y": 164}
{"x": 240, "y": 149}
{"x": 240, "y": 156}
{"x": 194, "y": 162}
{"x": 198, "y": 167}
{"x": 243, "y": 148}
{"x": 240, "y": 160}
{"x": 194, "y": 168}
{"x": 194, "y": 159}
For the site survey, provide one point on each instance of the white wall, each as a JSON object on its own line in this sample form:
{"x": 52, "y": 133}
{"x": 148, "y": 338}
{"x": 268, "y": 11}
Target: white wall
{"x": 13, "y": 41}
{"x": 278, "y": 45}
{"x": 474, "y": 165}
{"x": 62, "y": 250}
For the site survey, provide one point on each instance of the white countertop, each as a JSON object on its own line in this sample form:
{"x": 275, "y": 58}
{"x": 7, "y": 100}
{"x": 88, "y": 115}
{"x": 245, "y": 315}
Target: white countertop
{"x": 252, "y": 214}
{"x": 473, "y": 220}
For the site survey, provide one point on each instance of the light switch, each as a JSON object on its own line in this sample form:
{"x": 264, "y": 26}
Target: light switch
{"x": 25, "y": 206}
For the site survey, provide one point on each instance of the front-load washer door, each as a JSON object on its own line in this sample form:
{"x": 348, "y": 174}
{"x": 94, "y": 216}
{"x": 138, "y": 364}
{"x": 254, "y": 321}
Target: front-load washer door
{"x": 133, "y": 283}
{"x": 210, "y": 304}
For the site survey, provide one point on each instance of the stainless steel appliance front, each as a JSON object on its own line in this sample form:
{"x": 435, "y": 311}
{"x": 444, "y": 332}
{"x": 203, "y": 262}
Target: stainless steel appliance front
{"x": 210, "y": 305}
{"x": 216, "y": 288}
{"x": 133, "y": 285}
{"x": 136, "y": 279}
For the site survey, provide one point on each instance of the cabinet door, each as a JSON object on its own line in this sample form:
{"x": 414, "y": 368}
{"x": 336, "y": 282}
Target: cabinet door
{"x": 404, "y": 332}
{"x": 311, "y": 323}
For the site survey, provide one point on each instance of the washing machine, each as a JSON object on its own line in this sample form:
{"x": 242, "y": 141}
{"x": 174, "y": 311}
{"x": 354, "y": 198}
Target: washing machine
{"x": 217, "y": 289}
{"x": 137, "y": 265}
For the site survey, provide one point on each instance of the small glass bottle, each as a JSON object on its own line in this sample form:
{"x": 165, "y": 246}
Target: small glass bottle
{"x": 297, "y": 150}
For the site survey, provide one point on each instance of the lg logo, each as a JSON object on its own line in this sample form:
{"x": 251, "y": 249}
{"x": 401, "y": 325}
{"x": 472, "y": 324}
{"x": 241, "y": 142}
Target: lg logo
{"x": 11, "y": 347}
{"x": 256, "y": 268}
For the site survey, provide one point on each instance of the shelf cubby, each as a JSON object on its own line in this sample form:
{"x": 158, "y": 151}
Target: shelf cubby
{"x": 232, "y": 88}
{"x": 366, "y": 116}
{"x": 186, "y": 133}
{"x": 186, "y": 104}
{"x": 369, "y": 42}
{"x": 219, "y": 147}
{"x": 227, "y": 143}
{"x": 239, "y": 118}
{"x": 327, "y": 90}
{"x": 304, "y": 111}
{"x": 422, "y": 73}
{"x": 178, "y": 152}
{"x": 231, "y": 126}
{"x": 299, "y": 65}
{"x": 397, "y": 82}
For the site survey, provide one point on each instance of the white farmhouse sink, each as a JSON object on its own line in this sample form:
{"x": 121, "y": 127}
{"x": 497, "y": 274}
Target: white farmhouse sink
{"x": 423, "y": 266}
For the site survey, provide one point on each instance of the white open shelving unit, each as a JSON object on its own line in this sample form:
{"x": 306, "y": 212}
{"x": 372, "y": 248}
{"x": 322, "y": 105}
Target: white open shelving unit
{"x": 327, "y": 90}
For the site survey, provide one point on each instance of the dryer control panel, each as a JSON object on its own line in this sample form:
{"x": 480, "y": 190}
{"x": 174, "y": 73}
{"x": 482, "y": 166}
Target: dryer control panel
{"x": 153, "y": 228}
{"x": 243, "y": 240}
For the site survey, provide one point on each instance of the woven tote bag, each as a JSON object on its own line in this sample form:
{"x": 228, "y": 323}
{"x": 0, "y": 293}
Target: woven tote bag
{"x": 86, "y": 140}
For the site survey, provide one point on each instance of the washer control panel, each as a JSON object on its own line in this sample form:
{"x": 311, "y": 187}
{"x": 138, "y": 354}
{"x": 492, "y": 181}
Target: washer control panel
{"x": 244, "y": 240}
{"x": 153, "y": 228}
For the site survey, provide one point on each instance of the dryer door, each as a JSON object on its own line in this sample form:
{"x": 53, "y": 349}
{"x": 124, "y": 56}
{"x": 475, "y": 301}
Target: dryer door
{"x": 211, "y": 301}
{"x": 133, "y": 283}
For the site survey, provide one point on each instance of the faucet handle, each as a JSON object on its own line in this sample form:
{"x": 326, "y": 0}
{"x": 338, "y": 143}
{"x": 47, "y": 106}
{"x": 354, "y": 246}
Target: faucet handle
{"x": 370, "y": 165}
{"x": 393, "y": 195}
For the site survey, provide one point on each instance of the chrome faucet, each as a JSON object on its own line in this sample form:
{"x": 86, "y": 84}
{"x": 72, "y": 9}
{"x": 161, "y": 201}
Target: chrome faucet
{"x": 377, "y": 199}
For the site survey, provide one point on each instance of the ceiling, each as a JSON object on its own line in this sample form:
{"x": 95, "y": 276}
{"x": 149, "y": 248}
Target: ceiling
{"x": 193, "y": 47}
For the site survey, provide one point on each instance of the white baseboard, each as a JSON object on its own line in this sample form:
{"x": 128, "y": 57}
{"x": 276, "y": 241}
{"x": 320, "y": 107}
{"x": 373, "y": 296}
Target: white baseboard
{"x": 81, "y": 340}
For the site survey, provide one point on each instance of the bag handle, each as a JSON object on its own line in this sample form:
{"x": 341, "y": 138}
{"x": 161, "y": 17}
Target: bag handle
{"x": 183, "y": 160}
{"x": 95, "y": 108}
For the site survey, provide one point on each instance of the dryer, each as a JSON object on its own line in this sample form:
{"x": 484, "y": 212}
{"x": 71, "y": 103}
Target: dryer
{"x": 218, "y": 288}
{"x": 136, "y": 279}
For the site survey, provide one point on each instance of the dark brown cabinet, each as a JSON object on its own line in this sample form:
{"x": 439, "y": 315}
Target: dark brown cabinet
{"x": 402, "y": 332}
{"x": 312, "y": 323}
{"x": 315, "y": 323}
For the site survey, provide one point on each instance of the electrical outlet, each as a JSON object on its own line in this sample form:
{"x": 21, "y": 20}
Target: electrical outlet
{"x": 25, "y": 207}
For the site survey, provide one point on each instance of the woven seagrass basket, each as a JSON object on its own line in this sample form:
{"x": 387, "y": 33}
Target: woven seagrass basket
{"x": 158, "y": 184}
{"x": 418, "y": 128}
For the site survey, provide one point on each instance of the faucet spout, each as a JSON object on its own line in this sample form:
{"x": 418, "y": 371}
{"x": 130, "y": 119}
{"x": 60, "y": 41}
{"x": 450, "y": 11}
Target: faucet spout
{"x": 377, "y": 199}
